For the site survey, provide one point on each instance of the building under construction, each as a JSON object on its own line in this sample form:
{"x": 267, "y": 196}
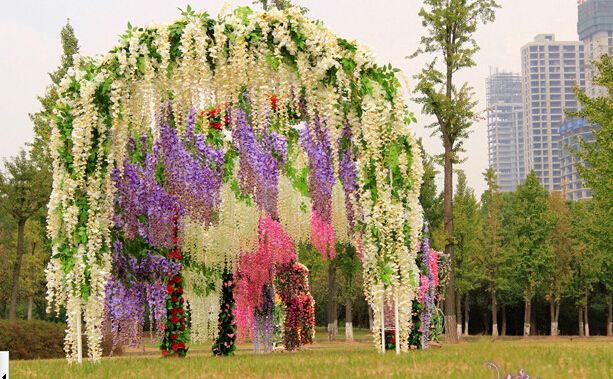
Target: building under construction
{"x": 505, "y": 128}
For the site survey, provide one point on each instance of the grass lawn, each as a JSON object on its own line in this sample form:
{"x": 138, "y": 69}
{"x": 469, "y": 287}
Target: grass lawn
{"x": 541, "y": 357}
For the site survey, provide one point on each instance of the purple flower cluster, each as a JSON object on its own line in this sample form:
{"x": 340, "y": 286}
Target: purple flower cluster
{"x": 144, "y": 208}
{"x": 194, "y": 179}
{"x": 348, "y": 171}
{"x": 260, "y": 162}
{"x": 160, "y": 180}
{"x": 429, "y": 291}
{"x": 136, "y": 281}
{"x": 314, "y": 139}
{"x": 264, "y": 321}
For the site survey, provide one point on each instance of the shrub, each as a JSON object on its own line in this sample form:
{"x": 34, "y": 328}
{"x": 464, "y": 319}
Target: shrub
{"x": 32, "y": 339}
{"x": 39, "y": 340}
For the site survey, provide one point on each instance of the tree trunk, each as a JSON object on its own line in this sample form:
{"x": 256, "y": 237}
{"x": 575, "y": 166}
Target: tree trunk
{"x": 586, "y": 323}
{"x": 348, "y": 321}
{"x": 30, "y": 304}
{"x": 371, "y": 323}
{"x": 527, "y": 314}
{"x": 610, "y": 316}
{"x": 332, "y": 302}
{"x": 581, "y": 330}
{"x": 533, "y": 330}
{"x": 494, "y": 315}
{"x": 466, "y": 314}
{"x": 552, "y": 315}
{"x": 458, "y": 308}
{"x": 451, "y": 333}
{"x": 17, "y": 269}
{"x": 31, "y": 297}
{"x": 504, "y": 320}
{"x": 557, "y": 311}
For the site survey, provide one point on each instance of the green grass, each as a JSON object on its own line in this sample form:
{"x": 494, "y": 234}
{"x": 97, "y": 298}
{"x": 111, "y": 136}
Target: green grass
{"x": 544, "y": 358}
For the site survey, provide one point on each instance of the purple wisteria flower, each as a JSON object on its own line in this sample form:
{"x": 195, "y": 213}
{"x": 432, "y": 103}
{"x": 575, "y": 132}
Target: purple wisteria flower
{"x": 314, "y": 139}
{"x": 260, "y": 160}
{"x": 348, "y": 171}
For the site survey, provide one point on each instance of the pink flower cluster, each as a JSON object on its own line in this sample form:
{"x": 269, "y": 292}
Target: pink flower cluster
{"x": 292, "y": 283}
{"x": 322, "y": 236}
{"x": 257, "y": 269}
{"x": 424, "y": 279}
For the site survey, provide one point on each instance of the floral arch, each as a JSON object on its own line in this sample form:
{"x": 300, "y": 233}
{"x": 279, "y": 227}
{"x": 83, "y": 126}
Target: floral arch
{"x": 176, "y": 144}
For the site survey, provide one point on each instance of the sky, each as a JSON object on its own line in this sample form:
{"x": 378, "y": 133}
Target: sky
{"x": 30, "y": 48}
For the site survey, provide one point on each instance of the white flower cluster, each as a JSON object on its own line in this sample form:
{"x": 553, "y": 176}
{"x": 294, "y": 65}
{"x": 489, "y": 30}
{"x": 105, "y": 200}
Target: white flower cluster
{"x": 204, "y": 306}
{"x": 212, "y": 67}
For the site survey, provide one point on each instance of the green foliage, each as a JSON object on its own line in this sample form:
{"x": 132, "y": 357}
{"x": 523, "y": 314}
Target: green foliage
{"x": 42, "y": 119}
{"x": 430, "y": 200}
{"x": 468, "y": 224}
{"x": 493, "y": 257}
{"x": 39, "y": 340}
{"x": 32, "y": 339}
{"x": 560, "y": 239}
{"x": 597, "y": 172}
{"x": 589, "y": 262}
{"x": 279, "y": 4}
{"x": 349, "y": 269}
{"x": 450, "y": 26}
{"x": 528, "y": 235}
{"x": 24, "y": 187}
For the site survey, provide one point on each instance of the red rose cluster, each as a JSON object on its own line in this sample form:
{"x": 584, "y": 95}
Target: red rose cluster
{"x": 216, "y": 117}
{"x": 176, "y": 334}
{"x": 273, "y": 101}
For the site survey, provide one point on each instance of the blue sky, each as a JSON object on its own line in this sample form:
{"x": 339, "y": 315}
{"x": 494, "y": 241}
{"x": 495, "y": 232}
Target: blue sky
{"x": 30, "y": 47}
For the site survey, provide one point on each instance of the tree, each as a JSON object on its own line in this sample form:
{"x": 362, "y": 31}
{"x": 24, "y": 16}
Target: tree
{"x": 511, "y": 293}
{"x": 561, "y": 243}
{"x": 429, "y": 199}
{"x": 598, "y": 170}
{"x": 24, "y": 190}
{"x": 530, "y": 228}
{"x": 467, "y": 244}
{"x": 588, "y": 258}
{"x": 42, "y": 118}
{"x": 492, "y": 256}
{"x": 450, "y": 27}
{"x": 350, "y": 269}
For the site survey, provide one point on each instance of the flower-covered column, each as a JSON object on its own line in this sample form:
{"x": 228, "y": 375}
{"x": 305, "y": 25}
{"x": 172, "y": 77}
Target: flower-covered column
{"x": 225, "y": 344}
{"x": 176, "y": 334}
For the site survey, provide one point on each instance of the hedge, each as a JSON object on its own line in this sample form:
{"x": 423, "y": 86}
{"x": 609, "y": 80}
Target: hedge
{"x": 38, "y": 340}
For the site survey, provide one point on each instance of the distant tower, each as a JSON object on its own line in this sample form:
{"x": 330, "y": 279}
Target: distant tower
{"x": 550, "y": 71}
{"x": 595, "y": 29}
{"x": 505, "y": 128}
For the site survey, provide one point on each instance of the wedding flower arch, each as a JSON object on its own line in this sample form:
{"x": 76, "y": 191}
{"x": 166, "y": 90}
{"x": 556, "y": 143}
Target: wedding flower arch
{"x": 342, "y": 118}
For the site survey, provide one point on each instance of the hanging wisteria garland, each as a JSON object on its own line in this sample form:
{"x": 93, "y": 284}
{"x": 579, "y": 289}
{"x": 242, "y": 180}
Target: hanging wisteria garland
{"x": 197, "y": 59}
{"x": 428, "y": 324}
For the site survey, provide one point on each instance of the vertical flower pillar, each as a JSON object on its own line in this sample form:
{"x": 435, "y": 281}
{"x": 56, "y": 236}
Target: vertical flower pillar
{"x": 225, "y": 344}
{"x": 176, "y": 332}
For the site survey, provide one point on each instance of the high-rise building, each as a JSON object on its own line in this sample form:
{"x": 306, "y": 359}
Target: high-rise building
{"x": 595, "y": 29}
{"x": 570, "y": 132}
{"x": 505, "y": 128}
{"x": 550, "y": 71}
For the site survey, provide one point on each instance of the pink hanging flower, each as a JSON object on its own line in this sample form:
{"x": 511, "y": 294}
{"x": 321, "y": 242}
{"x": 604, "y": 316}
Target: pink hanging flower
{"x": 322, "y": 236}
